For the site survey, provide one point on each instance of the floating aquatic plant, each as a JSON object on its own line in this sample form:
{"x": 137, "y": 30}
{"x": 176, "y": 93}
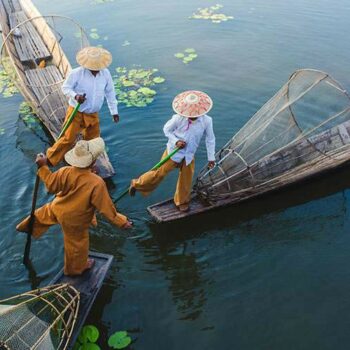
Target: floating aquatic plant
{"x": 2, "y": 131}
{"x": 133, "y": 86}
{"x": 90, "y": 334}
{"x": 7, "y": 87}
{"x": 94, "y": 34}
{"x": 210, "y": 13}
{"x": 187, "y": 56}
{"x": 119, "y": 340}
{"x": 27, "y": 115}
{"x": 87, "y": 339}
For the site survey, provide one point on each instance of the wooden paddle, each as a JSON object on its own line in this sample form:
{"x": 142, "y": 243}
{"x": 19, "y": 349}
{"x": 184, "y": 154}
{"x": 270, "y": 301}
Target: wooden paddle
{"x": 26, "y": 254}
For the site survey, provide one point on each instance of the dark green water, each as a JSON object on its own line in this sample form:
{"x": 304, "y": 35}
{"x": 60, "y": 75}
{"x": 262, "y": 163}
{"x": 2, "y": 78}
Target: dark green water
{"x": 269, "y": 274}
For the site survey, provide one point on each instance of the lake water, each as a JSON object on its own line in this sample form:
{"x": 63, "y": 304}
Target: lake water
{"x": 268, "y": 274}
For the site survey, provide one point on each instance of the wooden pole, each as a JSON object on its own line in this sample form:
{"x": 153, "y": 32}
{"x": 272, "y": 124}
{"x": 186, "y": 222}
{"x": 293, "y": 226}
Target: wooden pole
{"x": 26, "y": 254}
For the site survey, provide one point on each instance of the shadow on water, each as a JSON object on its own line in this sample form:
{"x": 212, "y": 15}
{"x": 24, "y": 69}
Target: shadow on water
{"x": 314, "y": 188}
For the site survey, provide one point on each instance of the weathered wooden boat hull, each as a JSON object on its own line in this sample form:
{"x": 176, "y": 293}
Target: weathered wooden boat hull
{"x": 41, "y": 87}
{"x": 88, "y": 284}
{"x": 327, "y": 143}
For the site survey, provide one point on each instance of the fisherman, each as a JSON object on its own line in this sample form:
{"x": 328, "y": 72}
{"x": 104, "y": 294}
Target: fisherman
{"x": 88, "y": 85}
{"x": 184, "y": 130}
{"x": 79, "y": 192}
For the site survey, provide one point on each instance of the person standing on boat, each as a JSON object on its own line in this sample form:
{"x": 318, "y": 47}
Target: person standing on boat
{"x": 185, "y": 131}
{"x": 88, "y": 84}
{"x": 79, "y": 192}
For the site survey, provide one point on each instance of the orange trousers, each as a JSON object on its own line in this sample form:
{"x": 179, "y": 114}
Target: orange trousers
{"x": 88, "y": 124}
{"x": 76, "y": 239}
{"x": 149, "y": 181}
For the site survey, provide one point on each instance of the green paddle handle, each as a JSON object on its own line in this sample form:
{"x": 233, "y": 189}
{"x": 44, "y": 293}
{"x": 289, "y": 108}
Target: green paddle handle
{"x": 157, "y": 166}
{"x": 69, "y": 121}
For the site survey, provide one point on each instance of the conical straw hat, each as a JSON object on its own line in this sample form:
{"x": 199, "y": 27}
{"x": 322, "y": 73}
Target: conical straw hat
{"x": 85, "y": 152}
{"x": 94, "y": 58}
{"x": 192, "y": 104}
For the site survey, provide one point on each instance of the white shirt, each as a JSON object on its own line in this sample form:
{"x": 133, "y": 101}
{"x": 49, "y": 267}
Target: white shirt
{"x": 183, "y": 129}
{"x": 81, "y": 81}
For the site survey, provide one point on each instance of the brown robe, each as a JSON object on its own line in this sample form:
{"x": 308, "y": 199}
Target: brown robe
{"x": 79, "y": 192}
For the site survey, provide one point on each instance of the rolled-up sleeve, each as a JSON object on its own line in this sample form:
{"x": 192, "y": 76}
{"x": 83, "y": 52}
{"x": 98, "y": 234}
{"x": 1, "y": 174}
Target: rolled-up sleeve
{"x": 110, "y": 94}
{"x": 210, "y": 140}
{"x": 69, "y": 85}
{"x": 101, "y": 200}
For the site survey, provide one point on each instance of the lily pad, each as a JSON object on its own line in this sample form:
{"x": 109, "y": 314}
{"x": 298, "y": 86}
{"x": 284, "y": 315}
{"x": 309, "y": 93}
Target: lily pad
{"x": 210, "y": 13}
{"x": 133, "y": 87}
{"x": 89, "y": 334}
{"x": 94, "y": 35}
{"x": 187, "y": 56}
{"x": 179, "y": 55}
{"x": 7, "y": 86}
{"x": 146, "y": 91}
{"x": 158, "y": 80}
{"x": 119, "y": 340}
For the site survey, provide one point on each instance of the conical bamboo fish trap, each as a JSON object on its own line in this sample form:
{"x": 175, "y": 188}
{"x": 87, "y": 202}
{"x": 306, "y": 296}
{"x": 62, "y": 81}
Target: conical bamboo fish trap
{"x": 40, "y": 319}
{"x": 304, "y": 128}
{"x": 302, "y": 131}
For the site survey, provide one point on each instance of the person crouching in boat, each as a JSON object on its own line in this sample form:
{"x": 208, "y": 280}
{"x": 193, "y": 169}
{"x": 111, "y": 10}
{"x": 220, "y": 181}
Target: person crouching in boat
{"x": 94, "y": 80}
{"x": 184, "y": 130}
{"x": 79, "y": 192}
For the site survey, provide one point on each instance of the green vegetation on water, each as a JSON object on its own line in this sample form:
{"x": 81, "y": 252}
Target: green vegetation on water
{"x": 7, "y": 87}
{"x": 90, "y": 334}
{"x": 133, "y": 87}
{"x": 210, "y": 13}
{"x": 187, "y": 56}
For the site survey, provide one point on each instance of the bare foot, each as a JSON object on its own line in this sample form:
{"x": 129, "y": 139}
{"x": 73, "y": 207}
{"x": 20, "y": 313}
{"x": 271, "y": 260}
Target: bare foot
{"x": 90, "y": 263}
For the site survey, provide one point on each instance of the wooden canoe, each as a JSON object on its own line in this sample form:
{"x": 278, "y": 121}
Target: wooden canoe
{"x": 41, "y": 87}
{"x": 335, "y": 143}
{"x": 88, "y": 285}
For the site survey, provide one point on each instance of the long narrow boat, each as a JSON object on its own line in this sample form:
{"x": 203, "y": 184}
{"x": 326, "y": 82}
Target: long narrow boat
{"x": 33, "y": 57}
{"x": 303, "y": 131}
{"x": 88, "y": 285}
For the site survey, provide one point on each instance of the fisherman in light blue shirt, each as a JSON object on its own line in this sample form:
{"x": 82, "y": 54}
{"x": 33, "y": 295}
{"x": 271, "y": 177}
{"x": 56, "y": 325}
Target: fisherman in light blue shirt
{"x": 88, "y": 85}
{"x": 184, "y": 131}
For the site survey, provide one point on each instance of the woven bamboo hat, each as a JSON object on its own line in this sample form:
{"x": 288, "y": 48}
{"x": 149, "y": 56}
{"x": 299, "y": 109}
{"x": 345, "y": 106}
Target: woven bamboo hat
{"x": 94, "y": 58}
{"x": 192, "y": 104}
{"x": 85, "y": 153}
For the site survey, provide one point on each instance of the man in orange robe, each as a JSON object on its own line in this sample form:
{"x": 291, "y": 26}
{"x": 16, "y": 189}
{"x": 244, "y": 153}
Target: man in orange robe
{"x": 79, "y": 192}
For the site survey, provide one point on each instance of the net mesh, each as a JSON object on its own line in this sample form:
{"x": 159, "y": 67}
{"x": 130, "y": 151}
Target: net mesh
{"x": 305, "y": 123}
{"x": 35, "y": 54}
{"x": 41, "y": 319}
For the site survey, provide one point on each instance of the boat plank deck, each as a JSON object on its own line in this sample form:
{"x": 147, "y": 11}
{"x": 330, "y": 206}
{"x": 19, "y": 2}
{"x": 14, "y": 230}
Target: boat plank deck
{"x": 88, "y": 284}
{"x": 29, "y": 44}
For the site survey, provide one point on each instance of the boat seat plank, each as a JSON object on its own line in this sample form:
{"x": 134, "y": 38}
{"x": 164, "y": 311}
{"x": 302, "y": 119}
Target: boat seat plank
{"x": 29, "y": 45}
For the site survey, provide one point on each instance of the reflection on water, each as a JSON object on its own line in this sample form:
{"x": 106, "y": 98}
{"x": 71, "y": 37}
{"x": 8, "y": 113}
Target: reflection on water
{"x": 271, "y": 273}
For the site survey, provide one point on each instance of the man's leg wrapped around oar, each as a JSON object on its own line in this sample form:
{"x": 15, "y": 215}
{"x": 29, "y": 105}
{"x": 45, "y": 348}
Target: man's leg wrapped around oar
{"x": 79, "y": 193}
{"x": 88, "y": 123}
{"x": 150, "y": 180}
{"x": 76, "y": 238}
